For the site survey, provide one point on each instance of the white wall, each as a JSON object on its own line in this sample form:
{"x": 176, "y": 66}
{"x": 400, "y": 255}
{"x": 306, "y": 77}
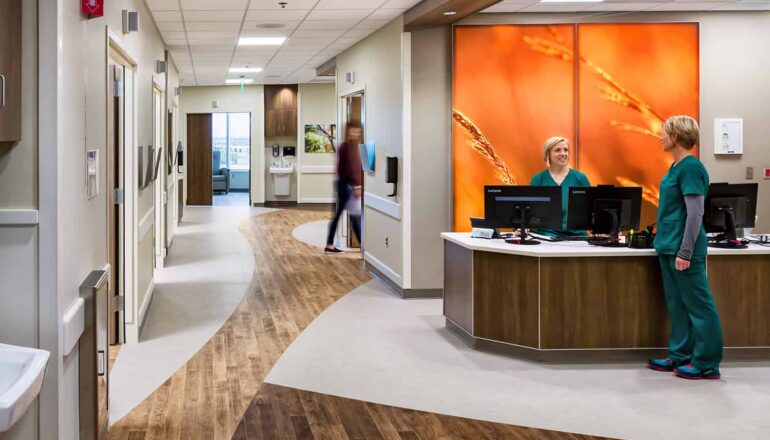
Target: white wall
{"x": 377, "y": 64}
{"x": 231, "y": 99}
{"x": 317, "y": 105}
{"x": 73, "y": 229}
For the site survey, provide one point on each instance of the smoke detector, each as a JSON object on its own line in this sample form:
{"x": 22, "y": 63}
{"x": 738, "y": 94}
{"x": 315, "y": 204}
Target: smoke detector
{"x": 282, "y": 4}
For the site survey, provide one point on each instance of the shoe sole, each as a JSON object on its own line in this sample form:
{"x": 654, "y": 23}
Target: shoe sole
{"x": 656, "y": 368}
{"x": 685, "y": 376}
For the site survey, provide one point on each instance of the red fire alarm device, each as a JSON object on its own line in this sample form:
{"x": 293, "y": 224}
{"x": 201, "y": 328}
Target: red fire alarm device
{"x": 767, "y": 173}
{"x": 92, "y": 8}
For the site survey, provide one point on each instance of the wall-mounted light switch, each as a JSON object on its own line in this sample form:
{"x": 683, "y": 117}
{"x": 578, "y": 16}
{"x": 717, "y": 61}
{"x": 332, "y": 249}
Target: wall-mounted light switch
{"x": 749, "y": 173}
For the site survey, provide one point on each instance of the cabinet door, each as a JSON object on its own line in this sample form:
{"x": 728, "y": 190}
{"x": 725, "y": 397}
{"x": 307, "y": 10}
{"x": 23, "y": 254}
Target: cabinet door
{"x": 272, "y": 123}
{"x": 10, "y": 70}
{"x": 290, "y": 124}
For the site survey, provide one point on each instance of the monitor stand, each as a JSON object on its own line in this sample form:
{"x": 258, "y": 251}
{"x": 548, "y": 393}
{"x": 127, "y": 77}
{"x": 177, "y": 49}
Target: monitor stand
{"x": 613, "y": 240}
{"x": 728, "y": 240}
{"x": 523, "y": 236}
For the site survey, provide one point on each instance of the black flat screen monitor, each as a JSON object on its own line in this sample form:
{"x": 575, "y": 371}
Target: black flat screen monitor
{"x": 604, "y": 209}
{"x": 730, "y": 206}
{"x": 522, "y": 207}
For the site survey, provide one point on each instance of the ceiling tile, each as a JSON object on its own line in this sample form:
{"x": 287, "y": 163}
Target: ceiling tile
{"x": 213, "y": 16}
{"x": 744, "y": 6}
{"x": 509, "y": 6}
{"x": 333, "y": 33}
{"x": 174, "y": 35}
{"x": 304, "y": 40}
{"x": 405, "y": 4}
{"x": 328, "y": 24}
{"x": 175, "y": 42}
{"x": 202, "y": 35}
{"x": 216, "y": 5}
{"x": 265, "y": 33}
{"x": 170, "y": 26}
{"x": 167, "y": 16}
{"x": 214, "y": 41}
{"x": 285, "y": 25}
{"x": 701, "y": 6}
{"x": 387, "y": 14}
{"x": 163, "y": 5}
{"x": 339, "y": 14}
{"x": 557, "y": 7}
{"x": 213, "y": 25}
{"x": 622, "y": 7}
{"x": 348, "y": 4}
{"x": 372, "y": 24}
{"x": 278, "y": 15}
{"x": 290, "y": 4}
{"x": 358, "y": 33}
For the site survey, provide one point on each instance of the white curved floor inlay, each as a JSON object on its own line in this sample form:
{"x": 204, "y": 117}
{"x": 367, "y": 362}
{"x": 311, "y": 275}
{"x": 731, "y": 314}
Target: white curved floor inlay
{"x": 208, "y": 270}
{"x": 374, "y": 347}
{"x": 314, "y": 234}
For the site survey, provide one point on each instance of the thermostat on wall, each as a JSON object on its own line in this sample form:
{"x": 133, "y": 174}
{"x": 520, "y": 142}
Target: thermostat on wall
{"x": 728, "y": 136}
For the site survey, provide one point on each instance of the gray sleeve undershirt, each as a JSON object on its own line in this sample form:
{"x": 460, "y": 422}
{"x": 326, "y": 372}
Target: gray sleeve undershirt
{"x": 692, "y": 226}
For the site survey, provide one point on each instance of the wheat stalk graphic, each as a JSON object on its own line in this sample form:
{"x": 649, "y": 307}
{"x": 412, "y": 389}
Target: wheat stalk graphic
{"x": 649, "y": 194}
{"x": 480, "y": 144}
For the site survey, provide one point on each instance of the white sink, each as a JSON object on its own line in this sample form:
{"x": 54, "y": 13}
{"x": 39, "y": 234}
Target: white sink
{"x": 282, "y": 170}
{"x": 21, "y": 377}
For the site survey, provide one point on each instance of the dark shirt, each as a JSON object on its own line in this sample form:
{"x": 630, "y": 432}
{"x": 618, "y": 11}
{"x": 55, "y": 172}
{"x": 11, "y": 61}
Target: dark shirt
{"x": 349, "y": 165}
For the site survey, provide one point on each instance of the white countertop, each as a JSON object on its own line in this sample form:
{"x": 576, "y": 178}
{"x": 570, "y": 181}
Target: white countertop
{"x": 573, "y": 248}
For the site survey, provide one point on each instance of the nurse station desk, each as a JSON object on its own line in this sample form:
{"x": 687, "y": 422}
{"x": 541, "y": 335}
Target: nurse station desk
{"x": 573, "y": 302}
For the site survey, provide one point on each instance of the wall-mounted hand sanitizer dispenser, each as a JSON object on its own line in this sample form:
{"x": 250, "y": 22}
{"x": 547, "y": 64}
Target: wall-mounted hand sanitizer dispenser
{"x": 276, "y": 150}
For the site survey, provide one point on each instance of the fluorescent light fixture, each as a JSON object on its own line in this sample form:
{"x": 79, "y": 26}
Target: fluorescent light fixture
{"x": 450, "y": 13}
{"x": 261, "y": 41}
{"x": 245, "y": 69}
{"x": 238, "y": 81}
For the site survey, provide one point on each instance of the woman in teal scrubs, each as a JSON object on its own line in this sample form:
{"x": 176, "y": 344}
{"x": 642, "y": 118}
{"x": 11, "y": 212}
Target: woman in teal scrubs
{"x": 695, "y": 345}
{"x": 559, "y": 173}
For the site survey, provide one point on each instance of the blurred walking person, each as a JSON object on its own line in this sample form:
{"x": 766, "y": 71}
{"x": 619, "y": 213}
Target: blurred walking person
{"x": 348, "y": 184}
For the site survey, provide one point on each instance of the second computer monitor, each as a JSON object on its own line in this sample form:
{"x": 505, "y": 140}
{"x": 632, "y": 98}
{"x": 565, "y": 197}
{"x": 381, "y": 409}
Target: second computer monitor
{"x": 522, "y": 206}
{"x": 730, "y": 206}
{"x": 604, "y": 209}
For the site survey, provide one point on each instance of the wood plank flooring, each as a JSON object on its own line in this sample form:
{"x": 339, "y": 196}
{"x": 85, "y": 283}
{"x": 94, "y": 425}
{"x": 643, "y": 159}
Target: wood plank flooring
{"x": 279, "y": 412}
{"x": 219, "y": 393}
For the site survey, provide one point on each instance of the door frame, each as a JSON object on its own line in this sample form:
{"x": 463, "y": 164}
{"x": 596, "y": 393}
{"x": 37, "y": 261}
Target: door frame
{"x": 342, "y": 118}
{"x": 117, "y": 52}
{"x": 159, "y": 186}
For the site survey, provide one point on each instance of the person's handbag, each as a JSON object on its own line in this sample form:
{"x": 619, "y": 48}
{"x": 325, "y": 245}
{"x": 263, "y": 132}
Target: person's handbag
{"x": 353, "y": 206}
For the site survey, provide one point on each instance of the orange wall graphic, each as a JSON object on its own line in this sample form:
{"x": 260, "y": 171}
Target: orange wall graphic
{"x": 605, "y": 87}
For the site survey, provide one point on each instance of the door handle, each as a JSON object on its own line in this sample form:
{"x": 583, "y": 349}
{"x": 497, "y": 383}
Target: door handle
{"x": 2, "y": 91}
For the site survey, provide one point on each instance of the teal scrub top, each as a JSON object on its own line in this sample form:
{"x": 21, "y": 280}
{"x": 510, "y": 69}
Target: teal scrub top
{"x": 574, "y": 178}
{"x": 688, "y": 177}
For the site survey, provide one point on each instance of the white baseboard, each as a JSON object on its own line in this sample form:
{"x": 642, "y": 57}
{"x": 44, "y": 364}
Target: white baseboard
{"x": 382, "y": 205}
{"x": 384, "y": 268}
{"x": 146, "y": 302}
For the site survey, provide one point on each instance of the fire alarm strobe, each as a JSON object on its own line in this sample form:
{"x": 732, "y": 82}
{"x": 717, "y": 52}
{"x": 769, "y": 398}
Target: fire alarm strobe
{"x": 92, "y": 8}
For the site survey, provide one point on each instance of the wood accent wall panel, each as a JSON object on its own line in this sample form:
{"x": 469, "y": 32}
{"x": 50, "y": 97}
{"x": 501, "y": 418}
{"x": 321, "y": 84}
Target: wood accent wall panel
{"x": 505, "y": 298}
{"x": 741, "y": 287}
{"x": 602, "y": 302}
{"x": 199, "y": 151}
{"x": 10, "y": 69}
{"x": 458, "y": 285}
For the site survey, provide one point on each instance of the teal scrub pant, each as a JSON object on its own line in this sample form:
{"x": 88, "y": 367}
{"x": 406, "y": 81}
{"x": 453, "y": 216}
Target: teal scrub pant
{"x": 696, "y": 332}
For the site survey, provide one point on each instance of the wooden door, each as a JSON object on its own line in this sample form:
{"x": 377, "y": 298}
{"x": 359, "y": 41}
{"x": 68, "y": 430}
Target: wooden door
{"x": 114, "y": 116}
{"x": 199, "y": 151}
{"x": 10, "y": 70}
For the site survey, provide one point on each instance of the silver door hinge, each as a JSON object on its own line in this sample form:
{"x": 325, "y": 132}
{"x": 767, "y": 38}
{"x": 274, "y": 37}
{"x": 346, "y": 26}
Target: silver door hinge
{"x": 119, "y": 196}
{"x": 120, "y": 303}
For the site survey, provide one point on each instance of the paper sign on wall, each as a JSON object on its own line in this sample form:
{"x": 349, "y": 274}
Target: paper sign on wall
{"x": 728, "y": 136}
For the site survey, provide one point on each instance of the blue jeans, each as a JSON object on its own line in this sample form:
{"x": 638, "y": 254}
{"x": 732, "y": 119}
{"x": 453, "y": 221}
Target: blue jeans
{"x": 344, "y": 193}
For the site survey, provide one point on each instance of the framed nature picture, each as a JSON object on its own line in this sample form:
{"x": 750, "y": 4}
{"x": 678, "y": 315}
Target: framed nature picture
{"x": 320, "y": 138}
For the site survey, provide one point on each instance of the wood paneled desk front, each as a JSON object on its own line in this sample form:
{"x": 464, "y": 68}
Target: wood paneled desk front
{"x": 573, "y": 302}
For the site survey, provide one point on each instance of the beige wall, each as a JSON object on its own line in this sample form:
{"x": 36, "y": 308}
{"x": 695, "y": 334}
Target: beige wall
{"x": 376, "y": 61}
{"x": 431, "y": 153}
{"x": 734, "y": 62}
{"x": 318, "y": 105}
{"x": 231, "y": 99}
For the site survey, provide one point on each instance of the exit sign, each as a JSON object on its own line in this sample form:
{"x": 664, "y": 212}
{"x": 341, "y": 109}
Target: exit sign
{"x": 92, "y": 8}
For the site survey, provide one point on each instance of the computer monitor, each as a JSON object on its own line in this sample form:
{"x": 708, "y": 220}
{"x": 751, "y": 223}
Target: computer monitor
{"x": 729, "y": 206}
{"x": 604, "y": 209}
{"x": 522, "y": 207}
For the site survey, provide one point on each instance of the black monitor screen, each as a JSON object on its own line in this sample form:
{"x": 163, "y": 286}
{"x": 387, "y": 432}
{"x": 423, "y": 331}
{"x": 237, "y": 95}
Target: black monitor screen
{"x": 523, "y": 206}
{"x": 604, "y": 209}
{"x": 740, "y": 200}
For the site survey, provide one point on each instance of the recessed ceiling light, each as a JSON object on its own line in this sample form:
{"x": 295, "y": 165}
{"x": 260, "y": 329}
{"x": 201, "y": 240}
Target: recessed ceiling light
{"x": 245, "y": 69}
{"x": 238, "y": 81}
{"x": 450, "y": 13}
{"x": 261, "y": 41}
